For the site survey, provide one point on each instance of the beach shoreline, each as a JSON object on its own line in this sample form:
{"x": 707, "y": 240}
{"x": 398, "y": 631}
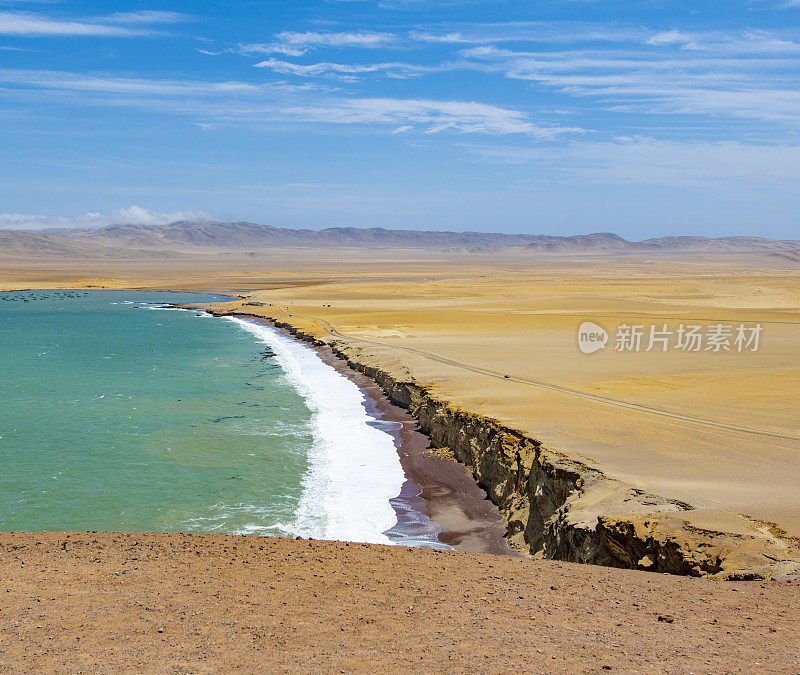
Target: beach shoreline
{"x": 445, "y": 489}
{"x": 553, "y": 503}
{"x": 436, "y": 487}
{"x": 556, "y": 506}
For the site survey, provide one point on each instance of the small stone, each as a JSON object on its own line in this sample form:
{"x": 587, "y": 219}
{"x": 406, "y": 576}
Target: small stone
{"x": 666, "y": 618}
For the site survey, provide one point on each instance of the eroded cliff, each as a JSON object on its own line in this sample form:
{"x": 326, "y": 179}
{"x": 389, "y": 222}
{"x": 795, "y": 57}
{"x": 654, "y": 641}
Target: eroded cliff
{"x": 559, "y": 508}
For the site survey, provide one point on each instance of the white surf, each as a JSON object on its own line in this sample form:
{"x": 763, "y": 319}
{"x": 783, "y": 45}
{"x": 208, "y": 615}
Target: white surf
{"x": 354, "y": 469}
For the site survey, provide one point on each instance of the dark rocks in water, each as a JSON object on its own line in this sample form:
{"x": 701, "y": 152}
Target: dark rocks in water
{"x": 230, "y": 417}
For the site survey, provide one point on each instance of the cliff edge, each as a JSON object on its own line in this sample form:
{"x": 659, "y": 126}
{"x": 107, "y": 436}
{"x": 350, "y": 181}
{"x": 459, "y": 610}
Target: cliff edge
{"x": 557, "y": 507}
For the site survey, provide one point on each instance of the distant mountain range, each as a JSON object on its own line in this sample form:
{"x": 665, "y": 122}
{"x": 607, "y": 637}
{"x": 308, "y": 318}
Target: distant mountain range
{"x": 33, "y": 244}
{"x": 133, "y": 240}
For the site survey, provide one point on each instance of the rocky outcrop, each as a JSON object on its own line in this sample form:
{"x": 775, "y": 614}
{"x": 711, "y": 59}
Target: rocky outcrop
{"x": 558, "y": 508}
{"x": 672, "y": 543}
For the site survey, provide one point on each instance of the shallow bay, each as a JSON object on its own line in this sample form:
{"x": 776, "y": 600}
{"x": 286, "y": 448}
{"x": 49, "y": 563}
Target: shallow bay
{"x": 120, "y": 416}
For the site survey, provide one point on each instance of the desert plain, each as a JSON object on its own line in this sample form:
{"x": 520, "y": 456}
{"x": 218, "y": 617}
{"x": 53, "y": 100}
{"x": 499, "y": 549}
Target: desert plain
{"x": 518, "y": 314}
{"x": 735, "y": 461}
{"x": 494, "y": 332}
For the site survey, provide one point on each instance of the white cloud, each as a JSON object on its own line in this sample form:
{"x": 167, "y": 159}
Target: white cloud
{"x": 671, "y": 37}
{"x": 543, "y": 32}
{"x": 133, "y": 215}
{"x": 244, "y": 103}
{"x": 127, "y": 24}
{"x": 446, "y": 38}
{"x": 393, "y": 69}
{"x": 430, "y": 116}
{"x": 270, "y": 48}
{"x": 297, "y": 44}
{"x": 749, "y": 42}
{"x": 749, "y": 76}
{"x": 51, "y": 79}
{"x": 144, "y": 17}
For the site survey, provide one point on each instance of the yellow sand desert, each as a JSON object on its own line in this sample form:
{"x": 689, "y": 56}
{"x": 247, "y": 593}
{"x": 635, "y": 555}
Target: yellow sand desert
{"x": 457, "y": 323}
{"x": 443, "y": 317}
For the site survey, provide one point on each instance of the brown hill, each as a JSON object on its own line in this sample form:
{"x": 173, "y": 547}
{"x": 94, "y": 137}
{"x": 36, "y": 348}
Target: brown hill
{"x": 15, "y": 244}
{"x": 244, "y": 235}
{"x": 791, "y": 256}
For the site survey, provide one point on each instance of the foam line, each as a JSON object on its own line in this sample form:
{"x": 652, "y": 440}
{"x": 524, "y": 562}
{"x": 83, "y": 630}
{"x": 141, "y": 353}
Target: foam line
{"x": 354, "y": 470}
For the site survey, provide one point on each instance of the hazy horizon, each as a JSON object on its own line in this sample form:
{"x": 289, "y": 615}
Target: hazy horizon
{"x": 85, "y": 227}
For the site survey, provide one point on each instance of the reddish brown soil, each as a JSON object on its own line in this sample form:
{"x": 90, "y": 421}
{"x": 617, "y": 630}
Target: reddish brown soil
{"x": 194, "y": 603}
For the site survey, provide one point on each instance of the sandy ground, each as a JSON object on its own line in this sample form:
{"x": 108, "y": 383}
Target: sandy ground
{"x": 198, "y": 603}
{"x": 518, "y": 314}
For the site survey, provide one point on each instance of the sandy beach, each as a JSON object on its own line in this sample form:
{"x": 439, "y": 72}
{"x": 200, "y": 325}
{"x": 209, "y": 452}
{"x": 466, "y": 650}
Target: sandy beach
{"x": 438, "y": 486}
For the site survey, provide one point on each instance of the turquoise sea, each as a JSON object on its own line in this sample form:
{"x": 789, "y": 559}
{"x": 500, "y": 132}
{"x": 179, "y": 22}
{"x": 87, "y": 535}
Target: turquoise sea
{"x": 121, "y": 413}
{"x": 119, "y": 416}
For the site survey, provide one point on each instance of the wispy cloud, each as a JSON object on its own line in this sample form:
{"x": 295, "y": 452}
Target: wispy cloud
{"x": 132, "y": 215}
{"x": 57, "y": 80}
{"x": 125, "y": 24}
{"x": 752, "y": 77}
{"x": 751, "y": 42}
{"x": 430, "y": 116}
{"x": 298, "y": 44}
{"x": 391, "y": 69}
{"x": 736, "y": 74}
{"x": 542, "y": 32}
{"x": 241, "y": 102}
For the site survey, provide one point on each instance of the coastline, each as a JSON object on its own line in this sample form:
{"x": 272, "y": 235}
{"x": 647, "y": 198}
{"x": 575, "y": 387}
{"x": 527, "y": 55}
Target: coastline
{"x": 558, "y": 507}
{"x": 441, "y": 488}
{"x": 458, "y": 513}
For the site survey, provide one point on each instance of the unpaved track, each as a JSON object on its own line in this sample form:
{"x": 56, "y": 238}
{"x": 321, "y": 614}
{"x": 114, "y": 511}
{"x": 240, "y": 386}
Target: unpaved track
{"x": 543, "y": 385}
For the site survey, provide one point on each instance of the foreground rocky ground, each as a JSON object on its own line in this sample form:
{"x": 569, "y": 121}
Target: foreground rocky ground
{"x": 194, "y": 603}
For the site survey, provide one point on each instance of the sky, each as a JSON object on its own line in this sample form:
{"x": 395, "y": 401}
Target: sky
{"x": 640, "y": 117}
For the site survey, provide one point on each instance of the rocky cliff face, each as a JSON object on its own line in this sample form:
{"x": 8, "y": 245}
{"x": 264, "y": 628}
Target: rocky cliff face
{"x": 557, "y": 508}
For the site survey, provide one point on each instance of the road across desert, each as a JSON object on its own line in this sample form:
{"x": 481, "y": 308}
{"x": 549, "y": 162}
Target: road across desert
{"x": 485, "y": 371}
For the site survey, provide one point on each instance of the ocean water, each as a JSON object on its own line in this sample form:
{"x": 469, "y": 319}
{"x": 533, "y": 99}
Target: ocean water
{"x": 122, "y": 415}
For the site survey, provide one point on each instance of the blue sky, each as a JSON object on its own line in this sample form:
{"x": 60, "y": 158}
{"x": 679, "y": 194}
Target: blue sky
{"x": 643, "y": 117}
